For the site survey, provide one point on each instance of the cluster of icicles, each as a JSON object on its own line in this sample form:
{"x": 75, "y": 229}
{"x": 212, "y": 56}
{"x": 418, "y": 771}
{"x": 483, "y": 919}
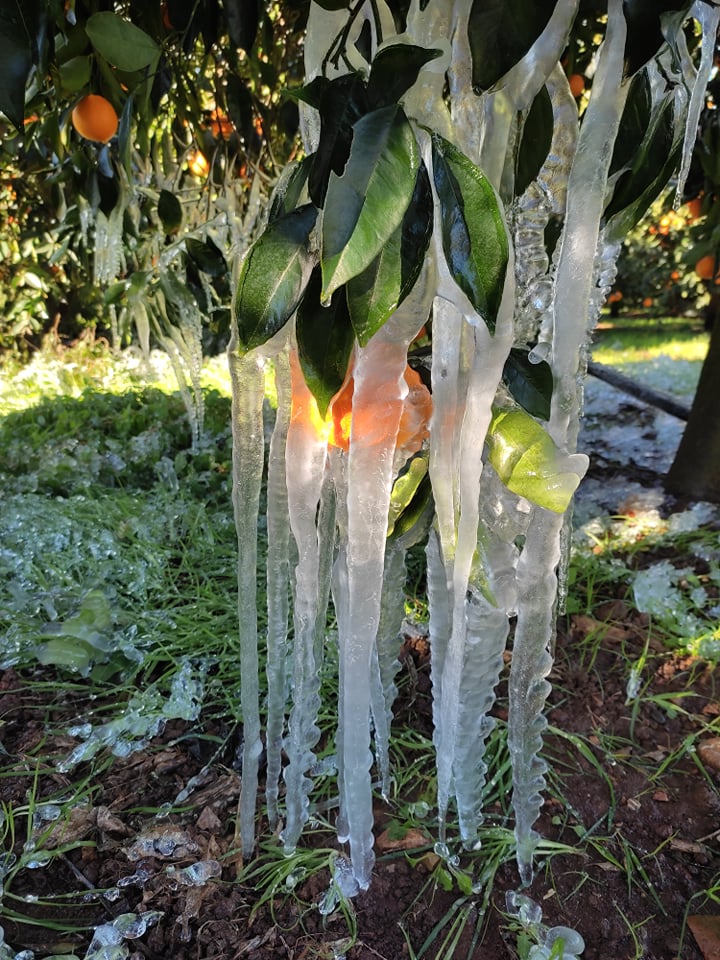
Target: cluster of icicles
{"x": 491, "y": 555}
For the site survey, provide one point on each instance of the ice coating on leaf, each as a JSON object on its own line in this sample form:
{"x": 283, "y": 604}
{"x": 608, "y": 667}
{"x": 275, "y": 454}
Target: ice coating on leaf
{"x": 709, "y": 17}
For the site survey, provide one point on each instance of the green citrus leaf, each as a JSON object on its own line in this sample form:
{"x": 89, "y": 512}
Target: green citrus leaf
{"x": 394, "y": 70}
{"x": 634, "y": 122}
{"x": 652, "y": 165}
{"x": 500, "y": 33}
{"x": 120, "y": 42}
{"x": 311, "y": 93}
{"x": 473, "y": 229}
{"x": 242, "y": 21}
{"x": 207, "y": 256}
{"x": 341, "y": 103}
{"x": 325, "y": 340}
{"x": 365, "y": 206}
{"x": 535, "y": 143}
{"x": 290, "y": 187}
{"x": 410, "y": 495}
{"x": 645, "y": 29}
{"x": 274, "y": 276}
{"x": 17, "y": 43}
{"x": 170, "y": 212}
{"x": 529, "y": 464}
{"x": 531, "y": 384}
{"x": 375, "y": 293}
{"x": 74, "y": 74}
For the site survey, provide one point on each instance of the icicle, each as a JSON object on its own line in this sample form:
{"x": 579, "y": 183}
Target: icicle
{"x": 492, "y": 599}
{"x": 248, "y": 458}
{"x": 537, "y": 583}
{"x": 709, "y": 17}
{"x": 278, "y": 576}
{"x": 490, "y": 352}
{"x": 305, "y": 457}
{"x": 531, "y": 214}
{"x": 380, "y": 388}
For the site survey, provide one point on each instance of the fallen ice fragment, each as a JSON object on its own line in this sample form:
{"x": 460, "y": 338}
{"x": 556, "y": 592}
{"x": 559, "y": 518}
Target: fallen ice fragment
{"x": 572, "y": 943}
{"x": 197, "y": 874}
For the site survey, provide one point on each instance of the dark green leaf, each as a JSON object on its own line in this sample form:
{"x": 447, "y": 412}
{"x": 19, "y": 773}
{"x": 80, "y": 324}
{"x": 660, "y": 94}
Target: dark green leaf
{"x": 529, "y": 464}
{"x": 120, "y": 42}
{"x": 394, "y": 70}
{"x": 325, "y": 341}
{"x": 644, "y": 29}
{"x": 500, "y": 33}
{"x": 207, "y": 256}
{"x": 363, "y": 44}
{"x": 273, "y": 277}
{"x": 18, "y": 27}
{"x": 535, "y": 143}
{"x": 74, "y": 74}
{"x": 289, "y": 189}
{"x": 367, "y": 204}
{"x": 242, "y": 21}
{"x": 634, "y": 122}
{"x": 240, "y": 109}
{"x": 376, "y": 292}
{"x": 531, "y": 384}
{"x": 342, "y": 103}
{"x": 652, "y": 165}
{"x": 170, "y": 212}
{"x": 311, "y": 93}
{"x": 473, "y": 229}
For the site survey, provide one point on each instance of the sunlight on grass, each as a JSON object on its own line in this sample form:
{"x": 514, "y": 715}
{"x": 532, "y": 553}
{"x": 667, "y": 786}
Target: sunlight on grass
{"x": 662, "y": 356}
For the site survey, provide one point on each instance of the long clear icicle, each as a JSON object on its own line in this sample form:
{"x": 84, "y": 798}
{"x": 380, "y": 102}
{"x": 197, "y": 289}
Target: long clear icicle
{"x": 278, "y": 575}
{"x": 537, "y": 582}
{"x": 248, "y": 380}
{"x": 306, "y": 456}
{"x": 379, "y": 391}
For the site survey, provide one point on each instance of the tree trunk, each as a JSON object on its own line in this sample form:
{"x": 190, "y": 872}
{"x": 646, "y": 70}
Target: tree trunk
{"x": 695, "y": 472}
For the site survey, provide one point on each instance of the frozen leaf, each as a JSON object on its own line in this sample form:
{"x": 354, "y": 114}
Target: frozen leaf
{"x": 365, "y": 206}
{"x": 341, "y": 103}
{"x": 474, "y": 238}
{"x": 274, "y": 276}
{"x": 325, "y": 340}
{"x": 535, "y": 143}
{"x": 529, "y": 464}
{"x": 375, "y": 293}
{"x": 496, "y": 46}
{"x": 531, "y": 384}
{"x": 394, "y": 70}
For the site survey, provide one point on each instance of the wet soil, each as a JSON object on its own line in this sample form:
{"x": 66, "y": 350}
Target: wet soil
{"x": 653, "y": 801}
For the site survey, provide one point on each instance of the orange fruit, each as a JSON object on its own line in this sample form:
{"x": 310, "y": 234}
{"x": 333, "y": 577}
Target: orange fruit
{"x": 94, "y": 118}
{"x": 705, "y": 267}
{"x": 220, "y": 125}
{"x": 378, "y": 420}
{"x": 577, "y": 84}
{"x": 615, "y": 297}
{"x": 694, "y": 208}
{"x": 675, "y": 275}
{"x": 648, "y": 302}
{"x": 198, "y": 165}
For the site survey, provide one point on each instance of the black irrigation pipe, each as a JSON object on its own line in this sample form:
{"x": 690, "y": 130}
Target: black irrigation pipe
{"x": 656, "y": 398}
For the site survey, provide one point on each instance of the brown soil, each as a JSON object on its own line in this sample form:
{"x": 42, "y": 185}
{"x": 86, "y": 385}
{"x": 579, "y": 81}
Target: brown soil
{"x": 654, "y": 802}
